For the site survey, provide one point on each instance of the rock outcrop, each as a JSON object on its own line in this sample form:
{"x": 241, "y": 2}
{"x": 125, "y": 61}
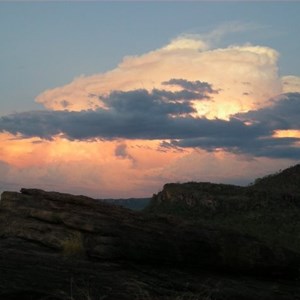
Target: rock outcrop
{"x": 268, "y": 209}
{"x": 59, "y": 246}
{"x": 278, "y": 191}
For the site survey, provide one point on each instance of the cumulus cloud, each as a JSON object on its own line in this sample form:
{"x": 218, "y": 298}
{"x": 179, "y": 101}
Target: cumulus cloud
{"x": 187, "y": 58}
{"x": 182, "y": 112}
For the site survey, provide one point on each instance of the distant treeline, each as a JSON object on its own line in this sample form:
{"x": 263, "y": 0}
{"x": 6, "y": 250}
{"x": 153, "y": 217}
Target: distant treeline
{"x": 131, "y": 203}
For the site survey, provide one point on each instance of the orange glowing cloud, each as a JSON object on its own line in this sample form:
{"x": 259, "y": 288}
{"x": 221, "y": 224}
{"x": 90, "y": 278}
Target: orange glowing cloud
{"x": 96, "y": 166}
{"x": 292, "y": 133}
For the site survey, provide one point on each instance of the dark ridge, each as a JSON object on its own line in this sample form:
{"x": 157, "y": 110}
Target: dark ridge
{"x": 286, "y": 181}
{"x": 194, "y": 241}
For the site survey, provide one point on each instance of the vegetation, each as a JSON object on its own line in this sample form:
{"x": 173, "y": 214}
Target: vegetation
{"x": 73, "y": 245}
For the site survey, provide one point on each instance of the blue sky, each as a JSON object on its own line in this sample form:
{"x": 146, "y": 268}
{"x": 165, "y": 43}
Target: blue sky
{"x": 44, "y": 45}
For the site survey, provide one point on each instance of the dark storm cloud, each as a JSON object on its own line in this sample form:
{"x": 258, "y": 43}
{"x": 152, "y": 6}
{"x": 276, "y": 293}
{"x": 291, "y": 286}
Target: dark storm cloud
{"x": 184, "y": 95}
{"x": 43, "y": 124}
{"x": 257, "y": 140}
{"x": 64, "y": 103}
{"x": 121, "y": 123}
{"x": 260, "y": 147}
{"x": 132, "y": 114}
{"x": 141, "y": 101}
{"x": 283, "y": 114}
{"x": 140, "y": 114}
{"x": 121, "y": 152}
{"x": 197, "y": 86}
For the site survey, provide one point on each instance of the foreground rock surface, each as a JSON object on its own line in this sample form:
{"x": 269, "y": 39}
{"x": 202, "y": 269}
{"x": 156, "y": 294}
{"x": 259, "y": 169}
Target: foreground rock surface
{"x": 59, "y": 246}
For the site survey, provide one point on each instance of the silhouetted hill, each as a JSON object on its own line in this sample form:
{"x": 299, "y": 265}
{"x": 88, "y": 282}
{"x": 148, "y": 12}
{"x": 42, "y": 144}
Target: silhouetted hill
{"x": 286, "y": 181}
{"x": 268, "y": 209}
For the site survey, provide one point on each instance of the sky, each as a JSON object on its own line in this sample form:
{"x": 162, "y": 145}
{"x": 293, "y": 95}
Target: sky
{"x": 115, "y": 99}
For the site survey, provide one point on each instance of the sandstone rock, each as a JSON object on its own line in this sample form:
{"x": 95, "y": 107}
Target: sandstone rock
{"x": 55, "y": 244}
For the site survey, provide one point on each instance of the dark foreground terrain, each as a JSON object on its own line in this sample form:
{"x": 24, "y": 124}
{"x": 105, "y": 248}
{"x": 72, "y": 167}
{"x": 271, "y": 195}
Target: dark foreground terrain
{"x": 195, "y": 241}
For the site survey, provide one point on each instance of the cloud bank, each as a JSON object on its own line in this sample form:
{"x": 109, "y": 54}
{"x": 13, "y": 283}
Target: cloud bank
{"x": 164, "y": 115}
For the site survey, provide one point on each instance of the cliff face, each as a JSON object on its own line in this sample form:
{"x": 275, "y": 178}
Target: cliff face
{"x": 280, "y": 190}
{"x": 268, "y": 209}
{"x": 205, "y": 197}
{"x": 61, "y": 246}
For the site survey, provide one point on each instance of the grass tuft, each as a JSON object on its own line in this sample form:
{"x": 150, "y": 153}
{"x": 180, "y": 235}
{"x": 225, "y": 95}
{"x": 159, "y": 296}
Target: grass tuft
{"x": 73, "y": 245}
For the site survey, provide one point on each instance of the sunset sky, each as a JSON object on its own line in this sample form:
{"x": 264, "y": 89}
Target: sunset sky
{"x": 115, "y": 99}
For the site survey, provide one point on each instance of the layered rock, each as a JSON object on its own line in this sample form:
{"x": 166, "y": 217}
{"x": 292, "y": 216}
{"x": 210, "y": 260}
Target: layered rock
{"x": 63, "y": 246}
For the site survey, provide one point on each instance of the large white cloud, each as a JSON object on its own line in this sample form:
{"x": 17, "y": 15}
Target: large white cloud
{"x": 246, "y": 75}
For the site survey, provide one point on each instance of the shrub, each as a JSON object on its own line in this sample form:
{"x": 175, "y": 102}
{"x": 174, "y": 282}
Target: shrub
{"x": 73, "y": 245}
